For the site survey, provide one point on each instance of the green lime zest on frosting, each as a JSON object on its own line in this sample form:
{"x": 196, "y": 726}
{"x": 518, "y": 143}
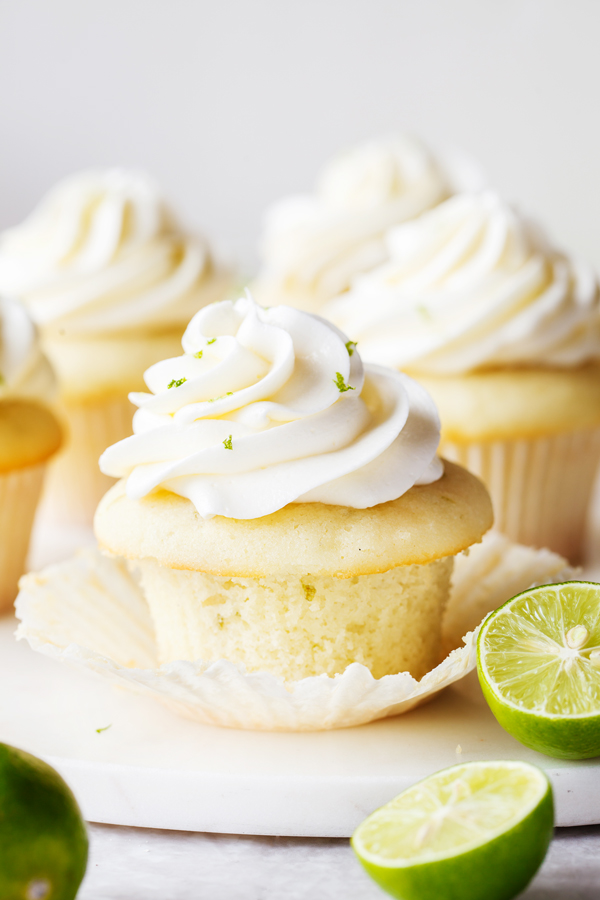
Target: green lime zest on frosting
{"x": 198, "y": 355}
{"x": 341, "y": 384}
{"x": 212, "y": 340}
{"x": 214, "y": 399}
{"x": 350, "y": 347}
{"x": 227, "y": 443}
{"x": 176, "y": 383}
{"x": 106, "y": 727}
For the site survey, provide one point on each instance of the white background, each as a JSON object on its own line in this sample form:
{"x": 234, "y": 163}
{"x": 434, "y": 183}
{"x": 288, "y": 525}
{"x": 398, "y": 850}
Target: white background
{"x": 232, "y": 103}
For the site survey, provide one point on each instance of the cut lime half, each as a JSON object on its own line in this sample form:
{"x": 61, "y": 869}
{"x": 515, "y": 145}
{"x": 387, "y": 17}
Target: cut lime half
{"x": 476, "y": 831}
{"x": 538, "y": 659}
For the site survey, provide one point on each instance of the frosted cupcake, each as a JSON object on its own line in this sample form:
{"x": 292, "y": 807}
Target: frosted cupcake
{"x": 314, "y": 245}
{"x": 111, "y": 280}
{"x": 284, "y": 506}
{"x": 29, "y": 436}
{"x": 504, "y": 331}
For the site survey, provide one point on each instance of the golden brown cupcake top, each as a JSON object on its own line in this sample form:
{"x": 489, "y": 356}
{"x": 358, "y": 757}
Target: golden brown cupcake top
{"x": 426, "y": 523}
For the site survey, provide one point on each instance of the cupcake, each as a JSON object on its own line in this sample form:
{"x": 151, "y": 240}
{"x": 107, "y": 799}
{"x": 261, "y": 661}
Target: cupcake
{"x": 283, "y": 506}
{"x": 111, "y": 280}
{"x": 504, "y": 332}
{"x": 29, "y": 436}
{"x": 314, "y": 245}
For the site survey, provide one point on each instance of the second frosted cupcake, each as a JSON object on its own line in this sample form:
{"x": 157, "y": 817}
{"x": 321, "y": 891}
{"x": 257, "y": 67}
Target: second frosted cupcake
{"x": 504, "y": 331}
{"x": 111, "y": 279}
{"x": 29, "y": 436}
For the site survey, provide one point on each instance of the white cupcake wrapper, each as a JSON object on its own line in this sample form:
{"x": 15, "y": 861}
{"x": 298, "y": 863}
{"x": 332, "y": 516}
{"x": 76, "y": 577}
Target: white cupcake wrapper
{"x": 90, "y": 611}
{"x": 75, "y": 485}
{"x": 19, "y": 494}
{"x": 540, "y": 487}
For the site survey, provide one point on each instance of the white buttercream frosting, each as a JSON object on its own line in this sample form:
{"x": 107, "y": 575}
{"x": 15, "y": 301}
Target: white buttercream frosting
{"x": 24, "y": 370}
{"x": 471, "y": 285}
{"x": 315, "y": 244}
{"x": 271, "y": 406}
{"x": 103, "y": 253}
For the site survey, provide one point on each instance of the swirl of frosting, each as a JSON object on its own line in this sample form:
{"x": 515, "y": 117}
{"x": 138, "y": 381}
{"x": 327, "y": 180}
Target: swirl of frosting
{"x": 24, "y": 370}
{"x": 102, "y": 253}
{"x": 315, "y": 245}
{"x": 272, "y": 406}
{"x": 472, "y": 285}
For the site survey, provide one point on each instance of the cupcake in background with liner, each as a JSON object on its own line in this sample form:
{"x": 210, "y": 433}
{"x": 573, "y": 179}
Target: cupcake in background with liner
{"x": 315, "y": 244}
{"x": 29, "y": 436}
{"x": 284, "y": 505}
{"x": 504, "y": 332}
{"x": 111, "y": 279}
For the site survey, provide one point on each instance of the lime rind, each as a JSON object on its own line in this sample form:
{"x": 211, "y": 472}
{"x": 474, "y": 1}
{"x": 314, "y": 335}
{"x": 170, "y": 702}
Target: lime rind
{"x": 451, "y": 813}
{"x": 525, "y": 659}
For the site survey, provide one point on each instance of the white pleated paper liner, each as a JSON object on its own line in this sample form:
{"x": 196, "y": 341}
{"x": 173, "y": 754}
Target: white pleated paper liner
{"x": 90, "y": 611}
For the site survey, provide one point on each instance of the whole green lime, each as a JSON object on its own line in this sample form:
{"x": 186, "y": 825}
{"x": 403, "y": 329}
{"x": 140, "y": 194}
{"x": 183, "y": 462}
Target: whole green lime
{"x": 43, "y": 841}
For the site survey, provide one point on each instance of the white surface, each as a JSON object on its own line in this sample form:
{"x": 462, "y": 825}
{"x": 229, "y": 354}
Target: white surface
{"x": 233, "y": 104}
{"x": 143, "y": 864}
{"x": 154, "y": 769}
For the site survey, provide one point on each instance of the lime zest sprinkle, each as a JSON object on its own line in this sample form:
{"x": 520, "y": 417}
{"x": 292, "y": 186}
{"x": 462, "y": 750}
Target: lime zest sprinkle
{"x": 309, "y": 591}
{"x": 341, "y": 384}
{"x": 176, "y": 382}
{"x": 227, "y": 443}
{"x": 212, "y": 340}
{"x": 106, "y": 727}
{"x": 350, "y": 347}
{"x": 214, "y": 399}
{"x": 198, "y": 355}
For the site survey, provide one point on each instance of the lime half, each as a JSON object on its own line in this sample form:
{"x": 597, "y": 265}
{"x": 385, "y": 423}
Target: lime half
{"x": 538, "y": 659}
{"x": 43, "y": 842}
{"x": 477, "y": 831}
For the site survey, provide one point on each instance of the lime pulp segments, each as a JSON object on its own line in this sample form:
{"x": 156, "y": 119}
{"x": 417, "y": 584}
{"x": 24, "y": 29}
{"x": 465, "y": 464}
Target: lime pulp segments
{"x": 476, "y": 831}
{"x": 538, "y": 660}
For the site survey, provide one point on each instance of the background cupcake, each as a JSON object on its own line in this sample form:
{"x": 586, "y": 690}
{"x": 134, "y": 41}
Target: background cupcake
{"x": 504, "y": 331}
{"x": 29, "y": 435}
{"x": 111, "y": 279}
{"x": 314, "y": 245}
{"x": 285, "y": 507}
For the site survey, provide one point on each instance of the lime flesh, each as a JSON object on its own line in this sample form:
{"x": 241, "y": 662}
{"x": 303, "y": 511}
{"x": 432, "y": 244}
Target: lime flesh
{"x": 43, "y": 842}
{"x": 477, "y": 831}
{"x": 538, "y": 660}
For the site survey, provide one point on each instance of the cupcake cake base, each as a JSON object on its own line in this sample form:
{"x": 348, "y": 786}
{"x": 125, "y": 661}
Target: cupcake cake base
{"x": 19, "y": 494}
{"x": 75, "y": 484}
{"x": 90, "y": 611}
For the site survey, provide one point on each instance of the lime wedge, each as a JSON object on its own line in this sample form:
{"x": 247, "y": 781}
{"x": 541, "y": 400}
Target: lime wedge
{"x": 538, "y": 659}
{"x": 477, "y": 831}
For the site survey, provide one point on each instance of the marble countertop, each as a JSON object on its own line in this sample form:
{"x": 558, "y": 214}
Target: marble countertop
{"x": 147, "y": 864}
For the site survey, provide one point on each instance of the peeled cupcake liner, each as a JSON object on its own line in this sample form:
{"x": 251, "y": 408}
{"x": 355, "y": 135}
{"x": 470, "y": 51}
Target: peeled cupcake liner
{"x": 75, "y": 484}
{"x": 20, "y": 491}
{"x": 540, "y": 487}
{"x": 90, "y": 612}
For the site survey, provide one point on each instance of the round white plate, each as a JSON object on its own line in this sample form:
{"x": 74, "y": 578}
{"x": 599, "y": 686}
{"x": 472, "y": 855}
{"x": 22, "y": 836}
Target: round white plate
{"x": 152, "y": 768}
